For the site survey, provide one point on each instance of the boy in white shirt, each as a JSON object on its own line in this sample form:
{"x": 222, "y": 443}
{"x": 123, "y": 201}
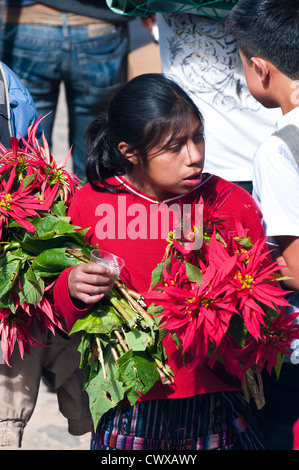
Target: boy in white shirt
{"x": 267, "y": 33}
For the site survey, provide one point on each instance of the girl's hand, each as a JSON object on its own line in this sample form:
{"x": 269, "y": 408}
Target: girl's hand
{"x": 89, "y": 282}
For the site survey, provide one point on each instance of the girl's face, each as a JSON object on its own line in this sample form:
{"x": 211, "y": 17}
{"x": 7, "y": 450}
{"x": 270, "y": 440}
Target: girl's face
{"x": 176, "y": 170}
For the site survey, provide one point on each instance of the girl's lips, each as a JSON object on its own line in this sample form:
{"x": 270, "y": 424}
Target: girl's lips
{"x": 193, "y": 180}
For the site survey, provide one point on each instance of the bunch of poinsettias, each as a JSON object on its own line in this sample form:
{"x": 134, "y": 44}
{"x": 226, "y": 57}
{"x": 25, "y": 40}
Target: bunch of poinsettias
{"x": 223, "y": 302}
{"x": 35, "y": 237}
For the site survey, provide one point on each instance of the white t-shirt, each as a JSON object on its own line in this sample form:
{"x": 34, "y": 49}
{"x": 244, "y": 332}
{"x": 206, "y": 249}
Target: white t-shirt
{"x": 276, "y": 191}
{"x": 276, "y": 183}
{"x": 200, "y": 54}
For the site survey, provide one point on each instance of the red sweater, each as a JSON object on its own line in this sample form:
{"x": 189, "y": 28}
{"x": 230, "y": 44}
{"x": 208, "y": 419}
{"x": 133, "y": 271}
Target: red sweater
{"x": 128, "y": 222}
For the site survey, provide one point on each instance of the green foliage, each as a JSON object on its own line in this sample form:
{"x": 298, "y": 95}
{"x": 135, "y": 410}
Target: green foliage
{"x": 121, "y": 352}
{"x": 29, "y": 260}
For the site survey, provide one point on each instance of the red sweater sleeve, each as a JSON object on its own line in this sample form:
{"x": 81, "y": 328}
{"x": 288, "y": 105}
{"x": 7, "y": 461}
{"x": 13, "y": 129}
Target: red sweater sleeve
{"x": 63, "y": 302}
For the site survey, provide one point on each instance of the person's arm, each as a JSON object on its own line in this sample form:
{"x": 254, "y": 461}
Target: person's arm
{"x": 288, "y": 257}
{"x": 276, "y": 189}
{"x": 22, "y": 108}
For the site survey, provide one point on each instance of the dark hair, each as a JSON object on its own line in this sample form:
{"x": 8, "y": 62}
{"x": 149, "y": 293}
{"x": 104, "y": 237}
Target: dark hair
{"x": 268, "y": 29}
{"x": 148, "y": 112}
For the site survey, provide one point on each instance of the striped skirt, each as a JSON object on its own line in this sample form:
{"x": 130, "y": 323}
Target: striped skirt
{"x": 220, "y": 421}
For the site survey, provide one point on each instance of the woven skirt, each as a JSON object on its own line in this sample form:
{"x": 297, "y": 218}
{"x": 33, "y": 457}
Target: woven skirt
{"x": 221, "y": 421}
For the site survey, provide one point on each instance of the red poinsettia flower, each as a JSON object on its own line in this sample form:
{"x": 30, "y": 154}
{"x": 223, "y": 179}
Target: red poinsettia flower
{"x": 199, "y": 313}
{"x": 55, "y": 173}
{"x": 176, "y": 274}
{"x": 276, "y": 337}
{"x": 32, "y": 157}
{"x": 16, "y": 327}
{"x": 198, "y": 225}
{"x": 253, "y": 284}
{"x": 20, "y": 204}
{"x": 235, "y": 358}
{"x": 44, "y": 314}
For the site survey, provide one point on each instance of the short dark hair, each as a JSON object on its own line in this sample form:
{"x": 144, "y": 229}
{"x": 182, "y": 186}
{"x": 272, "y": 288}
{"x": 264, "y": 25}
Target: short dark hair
{"x": 147, "y": 113}
{"x": 268, "y": 29}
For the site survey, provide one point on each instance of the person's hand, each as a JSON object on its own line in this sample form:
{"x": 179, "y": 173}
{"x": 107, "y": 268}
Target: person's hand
{"x": 89, "y": 282}
{"x": 148, "y": 21}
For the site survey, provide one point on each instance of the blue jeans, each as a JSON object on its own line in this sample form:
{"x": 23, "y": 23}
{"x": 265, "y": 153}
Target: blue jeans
{"x": 92, "y": 66}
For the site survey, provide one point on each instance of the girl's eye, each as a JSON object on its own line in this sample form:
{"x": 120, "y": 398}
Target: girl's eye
{"x": 198, "y": 138}
{"x": 175, "y": 148}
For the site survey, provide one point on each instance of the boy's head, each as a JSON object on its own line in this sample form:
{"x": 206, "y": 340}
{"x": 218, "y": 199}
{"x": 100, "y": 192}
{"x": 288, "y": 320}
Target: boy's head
{"x": 267, "y": 34}
{"x": 268, "y": 29}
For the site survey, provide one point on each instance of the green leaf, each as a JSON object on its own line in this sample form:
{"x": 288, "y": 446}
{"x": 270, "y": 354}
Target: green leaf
{"x": 244, "y": 241}
{"x": 104, "y": 392}
{"x": 7, "y": 301}
{"x": 50, "y": 226}
{"x": 137, "y": 373}
{"x": 194, "y": 274}
{"x": 101, "y": 320}
{"x": 138, "y": 340}
{"x": 162, "y": 333}
{"x": 8, "y": 275}
{"x": 52, "y": 232}
{"x": 32, "y": 288}
{"x": 27, "y": 180}
{"x": 52, "y": 262}
{"x": 157, "y": 273}
{"x": 8, "y": 256}
{"x": 155, "y": 310}
{"x": 59, "y": 209}
{"x": 89, "y": 360}
{"x": 280, "y": 361}
{"x": 237, "y": 329}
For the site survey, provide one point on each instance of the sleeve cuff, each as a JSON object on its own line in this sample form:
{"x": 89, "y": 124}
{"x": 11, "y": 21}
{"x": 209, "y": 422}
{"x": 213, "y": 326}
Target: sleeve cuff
{"x": 63, "y": 302}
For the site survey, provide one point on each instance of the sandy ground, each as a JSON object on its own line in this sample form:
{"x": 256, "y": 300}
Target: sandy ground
{"x": 47, "y": 429}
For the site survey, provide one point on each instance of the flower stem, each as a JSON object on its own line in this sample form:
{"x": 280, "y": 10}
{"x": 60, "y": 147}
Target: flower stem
{"x": 121, "y": 341}
{"x": 101, "y": 357}
{"x": 78, "y": 255}
{"x": 126, "y": 314}
{"x": 114, "y": 354}
{"x": 147, "y": 318}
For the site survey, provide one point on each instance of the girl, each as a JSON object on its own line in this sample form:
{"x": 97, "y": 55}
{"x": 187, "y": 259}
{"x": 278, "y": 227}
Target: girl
{"x": 147, "y": 153}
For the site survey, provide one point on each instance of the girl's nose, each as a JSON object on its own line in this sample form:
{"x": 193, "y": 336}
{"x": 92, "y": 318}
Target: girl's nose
{"x": 195, "y": 153}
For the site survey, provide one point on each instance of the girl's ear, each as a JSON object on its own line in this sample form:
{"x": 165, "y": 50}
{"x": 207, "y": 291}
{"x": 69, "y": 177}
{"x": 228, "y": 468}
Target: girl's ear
{"x": 123, "y": 148}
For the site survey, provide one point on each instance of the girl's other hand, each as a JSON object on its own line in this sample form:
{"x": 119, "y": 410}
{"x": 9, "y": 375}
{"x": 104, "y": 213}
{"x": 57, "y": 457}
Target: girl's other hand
{"x": 89, "y": 282}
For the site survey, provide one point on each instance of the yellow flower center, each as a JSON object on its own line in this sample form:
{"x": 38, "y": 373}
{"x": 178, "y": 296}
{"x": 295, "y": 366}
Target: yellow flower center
{"x": 169, "y": 239}
{"x": 246, "y": 282}
{"x": 5, "y": 200}
{"x": 245, "y": 261}
{"x": 58, "y": 176}
{"x": 206, "y": 301}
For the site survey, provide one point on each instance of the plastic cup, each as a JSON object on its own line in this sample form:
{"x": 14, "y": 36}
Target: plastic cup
{"x": 108, "y": 259}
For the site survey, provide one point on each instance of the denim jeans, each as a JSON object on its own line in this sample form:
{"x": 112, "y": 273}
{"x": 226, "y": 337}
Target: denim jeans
{"x": 92, "y": 66}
